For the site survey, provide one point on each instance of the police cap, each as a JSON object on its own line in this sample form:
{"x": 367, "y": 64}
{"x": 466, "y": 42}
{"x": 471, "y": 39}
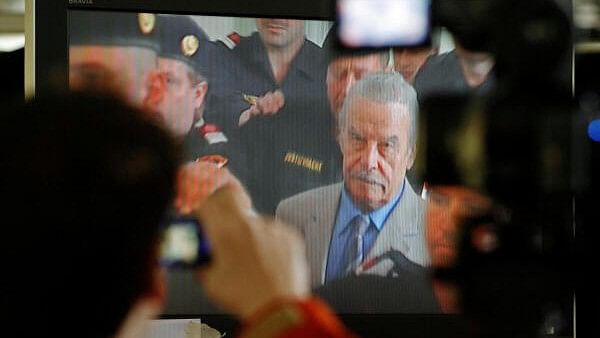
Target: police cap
{"x": 121, "y": 29}
{"x": 183, "y": 40}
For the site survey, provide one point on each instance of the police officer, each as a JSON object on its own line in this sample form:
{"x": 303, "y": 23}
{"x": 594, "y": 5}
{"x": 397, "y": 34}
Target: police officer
{"x": 275, "y": 106}
{"x": 181, "y": 43}
{"x": 345, "y": 66}
{"x": 185, "y": 60}
{"x": 461, "y": 71}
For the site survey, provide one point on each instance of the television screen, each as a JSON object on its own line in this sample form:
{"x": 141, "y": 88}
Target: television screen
{"x": 300, "y": 125}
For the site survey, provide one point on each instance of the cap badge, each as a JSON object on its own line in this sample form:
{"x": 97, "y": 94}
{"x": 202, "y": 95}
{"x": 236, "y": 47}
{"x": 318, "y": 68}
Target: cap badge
{"x": 146, "y": 22}
{"x": 189, "y": 45}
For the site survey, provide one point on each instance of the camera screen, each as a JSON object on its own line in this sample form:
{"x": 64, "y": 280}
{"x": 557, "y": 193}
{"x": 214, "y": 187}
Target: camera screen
{"x": 379, "y": 23}
{"x": 182, "y": 245}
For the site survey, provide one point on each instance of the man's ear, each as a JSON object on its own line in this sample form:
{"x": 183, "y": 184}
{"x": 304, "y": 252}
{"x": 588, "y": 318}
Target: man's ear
{"x": 200, "y": 91}
{"x": 157, "y": 287}
{"x": 410, "y": 157}
{"x": 340, "y": 139}
{"x": 157, "y": 87}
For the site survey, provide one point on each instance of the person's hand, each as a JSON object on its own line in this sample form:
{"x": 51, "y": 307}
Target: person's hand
{"x": 255, "y": 260}
{"x": 266, "y": 105}
{"x": 269, "y": 104}
{"x": 196, "y": 181}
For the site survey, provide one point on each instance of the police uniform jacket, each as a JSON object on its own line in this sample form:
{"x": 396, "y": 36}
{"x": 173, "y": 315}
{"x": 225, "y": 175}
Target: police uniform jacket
{"x": 288, "y": 152}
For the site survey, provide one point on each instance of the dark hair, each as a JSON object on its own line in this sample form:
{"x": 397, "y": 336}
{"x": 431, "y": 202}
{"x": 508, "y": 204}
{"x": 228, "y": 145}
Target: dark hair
{"x": 88, "y": 179}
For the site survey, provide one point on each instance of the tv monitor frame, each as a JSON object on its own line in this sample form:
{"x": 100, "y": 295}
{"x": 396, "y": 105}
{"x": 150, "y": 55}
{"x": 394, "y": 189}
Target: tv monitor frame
{"x": 47, "y": 61}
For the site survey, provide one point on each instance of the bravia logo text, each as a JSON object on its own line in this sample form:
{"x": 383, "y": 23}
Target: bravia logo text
{"x": 81, "y": 2}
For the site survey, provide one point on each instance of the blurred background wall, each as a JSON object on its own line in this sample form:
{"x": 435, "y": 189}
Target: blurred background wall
{"x": 12, "y": 41}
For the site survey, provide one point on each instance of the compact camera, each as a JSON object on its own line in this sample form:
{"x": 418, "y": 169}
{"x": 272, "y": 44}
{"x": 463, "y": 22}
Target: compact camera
{"x": 183, "y": 244}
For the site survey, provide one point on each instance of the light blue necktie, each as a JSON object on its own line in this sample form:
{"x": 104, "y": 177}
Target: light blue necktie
{"x": 354, "y": 247}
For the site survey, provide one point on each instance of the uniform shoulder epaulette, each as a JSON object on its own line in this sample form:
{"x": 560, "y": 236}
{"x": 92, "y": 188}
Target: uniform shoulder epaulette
{"x": 231, "y": 40}
{"x": 211, "y": 133}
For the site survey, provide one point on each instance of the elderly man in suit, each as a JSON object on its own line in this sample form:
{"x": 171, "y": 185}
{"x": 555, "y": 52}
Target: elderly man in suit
{"x": 365, "y": 223}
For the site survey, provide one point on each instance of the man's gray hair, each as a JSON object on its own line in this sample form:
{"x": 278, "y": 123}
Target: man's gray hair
{"x": 385, "y": 88}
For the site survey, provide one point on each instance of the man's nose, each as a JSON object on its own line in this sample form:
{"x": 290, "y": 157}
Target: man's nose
{"x": 371, "y": 157}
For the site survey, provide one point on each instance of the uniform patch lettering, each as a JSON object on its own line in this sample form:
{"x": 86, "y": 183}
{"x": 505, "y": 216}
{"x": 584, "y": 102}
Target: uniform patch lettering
{"x": 303, "y": 161}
